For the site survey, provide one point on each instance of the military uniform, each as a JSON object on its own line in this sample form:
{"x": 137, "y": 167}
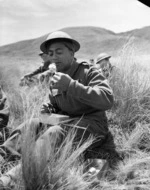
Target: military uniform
{"x": 88, "y": 94}
{"x": 88, "y": 97}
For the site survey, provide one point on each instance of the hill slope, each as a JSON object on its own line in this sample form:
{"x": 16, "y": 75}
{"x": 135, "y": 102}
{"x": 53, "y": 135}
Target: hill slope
{"x": 143, "y": 33}
{"x": 93, "y": 40}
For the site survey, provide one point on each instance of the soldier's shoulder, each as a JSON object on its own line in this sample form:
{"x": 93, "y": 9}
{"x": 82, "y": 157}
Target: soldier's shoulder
{"x": 88, "y": 67}
{"x": 85, "y": 64}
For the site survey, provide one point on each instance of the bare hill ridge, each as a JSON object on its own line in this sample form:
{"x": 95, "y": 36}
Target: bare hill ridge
{"x": 93, "y": 40}
{"x": 143, "y": 33}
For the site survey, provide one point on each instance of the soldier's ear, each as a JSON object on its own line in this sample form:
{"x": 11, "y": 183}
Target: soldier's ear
{"x": 72, "y": 53}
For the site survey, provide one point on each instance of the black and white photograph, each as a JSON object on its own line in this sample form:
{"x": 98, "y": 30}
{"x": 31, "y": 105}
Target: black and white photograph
{"x": 74, "y": 95}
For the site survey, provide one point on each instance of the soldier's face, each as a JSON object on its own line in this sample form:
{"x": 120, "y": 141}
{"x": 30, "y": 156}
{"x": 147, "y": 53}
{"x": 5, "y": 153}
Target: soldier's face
{"x": 103, "y": 64}
{"x": 61, "y": 56}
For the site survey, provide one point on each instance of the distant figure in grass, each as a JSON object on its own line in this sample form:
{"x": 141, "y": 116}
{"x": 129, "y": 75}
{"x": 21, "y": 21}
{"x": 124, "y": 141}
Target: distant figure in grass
{"x": 104, "y": 65}
{"x": 80, "y": 92}
{"x": 91, "y": 62}
{"x": 44, "y": 67}
{"x": 4, "y": 116}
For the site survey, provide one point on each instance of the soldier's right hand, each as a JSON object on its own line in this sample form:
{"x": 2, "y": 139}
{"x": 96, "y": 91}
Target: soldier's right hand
{"x": 25, "y": 80}
{"x": 46, "y": 108}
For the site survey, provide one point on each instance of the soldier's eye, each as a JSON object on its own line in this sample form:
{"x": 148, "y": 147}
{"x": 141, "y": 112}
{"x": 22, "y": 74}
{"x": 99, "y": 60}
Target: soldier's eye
{"x": 59, "y": 51}
{"x": 50, "y": 54}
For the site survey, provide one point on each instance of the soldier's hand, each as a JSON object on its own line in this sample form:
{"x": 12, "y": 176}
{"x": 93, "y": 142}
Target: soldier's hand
{"x": 27, "y": 77}
{"x": 25, "y": 80}
{"x": 46, "y": 76}
{"x": 45, "y": 108}
{"x": 61, "y": 81}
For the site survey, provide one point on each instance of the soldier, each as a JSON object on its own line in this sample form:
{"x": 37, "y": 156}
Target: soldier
{"x": 41, "y": 69}
{"x": 4, "y": 116}
{"x": 82, "y": 93}
{"x": 103, "y": 64}
{"x": 91, "y": 61}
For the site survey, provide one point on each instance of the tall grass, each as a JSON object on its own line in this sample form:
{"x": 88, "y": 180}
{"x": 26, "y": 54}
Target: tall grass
{"x": 9, "y": 82}
{"x": 46, "y": 164}
{"x": 23, "y": 101}
{"x": 131, "y": 86}
{"x": 32, "y": 100}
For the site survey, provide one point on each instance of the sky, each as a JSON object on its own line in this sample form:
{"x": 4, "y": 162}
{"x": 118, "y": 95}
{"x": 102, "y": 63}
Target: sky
{"x": 22, "y": 20}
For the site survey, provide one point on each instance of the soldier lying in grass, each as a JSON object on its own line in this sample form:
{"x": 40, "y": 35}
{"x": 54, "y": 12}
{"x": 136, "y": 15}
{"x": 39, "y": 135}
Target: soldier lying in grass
{"x": 44, "y": 67}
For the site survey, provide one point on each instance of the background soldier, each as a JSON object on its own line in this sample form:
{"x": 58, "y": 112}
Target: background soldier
{"x": 103, "y": 64}
{"x": 4, "y": 116}
{"x": 41, "y": 69}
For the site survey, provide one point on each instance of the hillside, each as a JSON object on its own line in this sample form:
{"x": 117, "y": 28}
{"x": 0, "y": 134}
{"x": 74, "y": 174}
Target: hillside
{"x": 93, "y": 40}
{"x": 142, "y": 33}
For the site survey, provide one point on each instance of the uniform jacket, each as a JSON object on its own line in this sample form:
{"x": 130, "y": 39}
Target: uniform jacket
{"x": 88, "y": 95}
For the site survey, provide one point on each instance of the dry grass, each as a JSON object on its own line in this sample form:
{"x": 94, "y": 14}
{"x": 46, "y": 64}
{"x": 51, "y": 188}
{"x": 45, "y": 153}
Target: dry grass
{"x": 45, "y": 164}
{"x": 130, "y": 83}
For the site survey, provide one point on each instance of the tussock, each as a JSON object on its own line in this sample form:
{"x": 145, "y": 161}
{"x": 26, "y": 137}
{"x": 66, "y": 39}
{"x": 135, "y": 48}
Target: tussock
{"x": 46, "y": 163}
{"x": 131, "y": 88}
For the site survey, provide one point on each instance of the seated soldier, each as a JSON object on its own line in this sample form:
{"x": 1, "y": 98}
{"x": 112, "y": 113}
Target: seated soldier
{"x": 79, "y": 91}
{"x": 103, "y": 64}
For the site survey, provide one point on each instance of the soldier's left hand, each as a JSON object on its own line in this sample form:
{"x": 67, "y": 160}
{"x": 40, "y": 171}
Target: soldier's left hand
{"x": 45, "y": 76}
{"x": 61, "y": 81}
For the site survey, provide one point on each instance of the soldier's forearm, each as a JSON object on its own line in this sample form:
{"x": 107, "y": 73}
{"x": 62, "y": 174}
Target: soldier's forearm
{"x": 35, "y": 72}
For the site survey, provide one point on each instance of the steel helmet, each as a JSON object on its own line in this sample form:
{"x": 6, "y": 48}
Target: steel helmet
{"x": 62, "y": 36}
{"x": 102, "y": 56}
